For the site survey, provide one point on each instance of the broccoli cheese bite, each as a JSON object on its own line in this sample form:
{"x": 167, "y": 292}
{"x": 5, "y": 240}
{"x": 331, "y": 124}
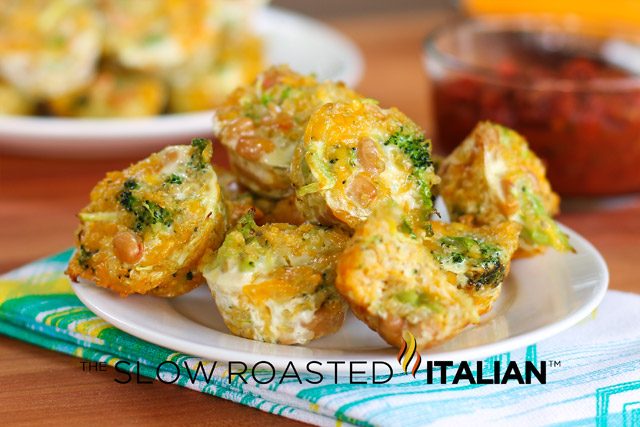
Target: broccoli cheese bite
{"x": 161, "y": 34}
{"x": 275, "y": 283}
{"x": 355, "y": 156}
{"x": 494, "y": 177}
{"x": 476, "y": 259}
{"x": 114, "y": 93}
{"x": 166, "y": 36}
{"x": 147, "y": 226}
{"x": 49, "y": 47}
{"x": 261, "y": 125}
{"x": 393, "y": 283}
{"x": 239, "y": 200}
{"x": 433, "y": 284}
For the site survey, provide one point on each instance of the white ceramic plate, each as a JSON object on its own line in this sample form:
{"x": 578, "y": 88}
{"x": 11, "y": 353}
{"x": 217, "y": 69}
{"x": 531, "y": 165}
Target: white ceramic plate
{"x": 541, "y": 297}
{"x": 305, "y": 44}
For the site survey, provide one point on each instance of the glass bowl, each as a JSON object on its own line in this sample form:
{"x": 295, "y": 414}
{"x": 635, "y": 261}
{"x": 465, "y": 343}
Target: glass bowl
{"x": 572, "y": 90}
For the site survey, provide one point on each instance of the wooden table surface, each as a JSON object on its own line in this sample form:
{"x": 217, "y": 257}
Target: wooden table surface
{"x": 39, "y": 198}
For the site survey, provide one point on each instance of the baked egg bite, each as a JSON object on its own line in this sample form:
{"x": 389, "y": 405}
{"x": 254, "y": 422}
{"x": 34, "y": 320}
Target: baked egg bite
{"x": 357, "y": 155}
{"x": 146, "y": 227}
{"x": 261, "y": 124}
{"x": 239, "y": 200}
{"x": 476, "y": 259}
{"x": 49, "y": 47}
{"x": 114, "y": 93}
{"x": 393, "y": 283}
{"x": 275, "y": 283}
{"x": 160, "y": 35}
{"x": 493, "y": 177}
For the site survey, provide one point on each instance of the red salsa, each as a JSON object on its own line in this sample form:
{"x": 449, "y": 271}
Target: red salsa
{"x": 589, "y": 137}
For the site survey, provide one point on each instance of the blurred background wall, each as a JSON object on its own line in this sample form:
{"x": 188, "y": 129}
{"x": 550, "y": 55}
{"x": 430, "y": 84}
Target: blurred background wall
{"x": 335, "y": 8}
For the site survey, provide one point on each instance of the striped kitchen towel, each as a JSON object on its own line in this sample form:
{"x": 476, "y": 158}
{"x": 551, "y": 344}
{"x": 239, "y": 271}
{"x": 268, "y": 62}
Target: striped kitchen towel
{"x": 593, "y": 369}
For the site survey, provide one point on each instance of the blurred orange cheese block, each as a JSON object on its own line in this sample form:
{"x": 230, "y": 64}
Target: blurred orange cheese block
{"x": 611, "y": 12}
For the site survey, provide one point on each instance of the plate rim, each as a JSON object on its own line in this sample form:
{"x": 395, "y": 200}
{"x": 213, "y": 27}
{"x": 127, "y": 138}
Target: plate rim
{"x": 180, "y": 344}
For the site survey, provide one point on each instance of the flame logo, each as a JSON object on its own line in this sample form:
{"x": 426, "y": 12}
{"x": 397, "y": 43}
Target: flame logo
{"x": 407, "y": 352}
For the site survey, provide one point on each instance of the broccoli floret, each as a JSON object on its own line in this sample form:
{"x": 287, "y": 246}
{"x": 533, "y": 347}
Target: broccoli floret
{"x": 538, "y": 226}
{"x": 419, "y": 299}
{"x": 130, "y": 184}
{"x": 250, "y": 113}
{"x": 200, "y": 143}
{"x": 417, "y": 149}
{"x": 247, "y": 226}
{"x": 173, "y": 179}
{"x": 127, "y": 200}
{"x": 286, "y": 92}
{"x": 85, "y": 256}
{"x": 150, "y": 213}
{"x": 198, "y": 159}
{"x": 493, "y": 275}
{"x": 146, "y": 212}
{"x": 250, "y": 235}
{"x": 406, "y": 228}
{"x": 265, "y": 99}
{"x": 484, "y": 267}
{"x": 414, "y": 146}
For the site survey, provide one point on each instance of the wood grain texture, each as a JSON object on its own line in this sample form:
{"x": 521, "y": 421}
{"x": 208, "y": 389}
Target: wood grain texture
{"x": 41, "y": 387}
{"x": 39, "y": 199}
